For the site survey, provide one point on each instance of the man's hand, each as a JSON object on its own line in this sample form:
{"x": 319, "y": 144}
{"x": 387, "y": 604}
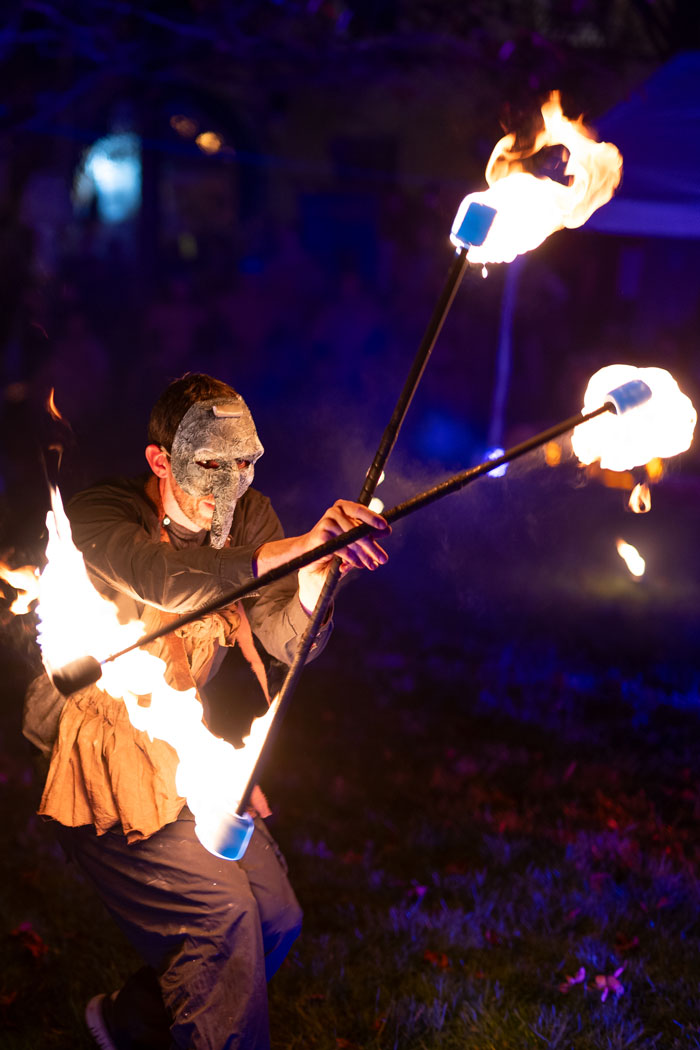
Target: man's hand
{"x": 365, "y": 553}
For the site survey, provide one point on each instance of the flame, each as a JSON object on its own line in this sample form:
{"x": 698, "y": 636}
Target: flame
{"x": 662, "y": 427}
{"x": 612, "y": 479}
{"x": 58, "y": 449}
{"x": 640, "y": 499}
{"x": 209, "y": 142}
{"x": 51, "y": 405}
{"x": 75, "y": 620}
{"x": 529, "y": 208}
{"x": 552, "y": 453}
{"x": 25, "y": 581}
{"x": 183, "y": 125}
{"x": 631, "y": 557}
{"x": 655, "y": 469}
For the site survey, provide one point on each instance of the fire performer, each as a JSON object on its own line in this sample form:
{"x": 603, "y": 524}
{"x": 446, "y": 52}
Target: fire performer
{"x": 210, "y": 931}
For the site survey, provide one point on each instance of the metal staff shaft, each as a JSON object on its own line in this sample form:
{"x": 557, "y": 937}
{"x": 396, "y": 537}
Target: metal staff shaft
{"x": 402, "y": 510}
{"x": 414, "y": 376}
{"x": 384, "y": 450}
{"x": 473, "y": 230}
{"x": 382, "y": 454}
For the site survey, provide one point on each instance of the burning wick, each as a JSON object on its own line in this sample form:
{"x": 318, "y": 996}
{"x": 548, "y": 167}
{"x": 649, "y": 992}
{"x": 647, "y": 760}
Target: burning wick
{"x": 632, "y": 558}
{"x": 528, "y": 209}
{"x": 662, "y": 427}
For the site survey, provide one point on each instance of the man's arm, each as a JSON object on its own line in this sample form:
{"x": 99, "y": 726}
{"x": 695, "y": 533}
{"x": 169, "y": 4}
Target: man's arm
{"x": 276, "y": 615}
{"x": 111, "y": 524}
{"x": 109, "y": 527}
{"x": 279, "y": 615}
{"x": 365, "y": 553}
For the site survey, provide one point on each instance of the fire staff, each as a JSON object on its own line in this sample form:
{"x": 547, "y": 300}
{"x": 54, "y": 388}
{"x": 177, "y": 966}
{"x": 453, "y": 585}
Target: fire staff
{"x": 210, "y": 931}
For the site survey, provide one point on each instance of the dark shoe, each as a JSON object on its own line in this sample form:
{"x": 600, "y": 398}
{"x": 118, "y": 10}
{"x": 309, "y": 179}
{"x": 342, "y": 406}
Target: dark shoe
{"x": 98, "y": 1013}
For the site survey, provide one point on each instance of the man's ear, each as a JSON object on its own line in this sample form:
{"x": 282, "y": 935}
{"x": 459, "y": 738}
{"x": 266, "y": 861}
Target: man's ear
{"x": 158, "y": 460}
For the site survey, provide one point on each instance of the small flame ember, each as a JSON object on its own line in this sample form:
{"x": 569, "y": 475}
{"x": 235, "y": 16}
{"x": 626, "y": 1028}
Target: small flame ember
{"x": 58, "y": 449}
{"x": 662, "y": 427}
{"x": 552, "y": 453}
{"x": 75, "y": 620}
{"x": 655, "y": 469}
{"x": 640, "y": 499}
{"x": 632, "y": 558}
{"x": 51, "y": 406}
{"x": 529, "y": 208}
{"x": 25, "y": 581}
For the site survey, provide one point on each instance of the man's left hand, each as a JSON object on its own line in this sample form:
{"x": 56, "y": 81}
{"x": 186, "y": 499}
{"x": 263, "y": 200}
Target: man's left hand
{"x": 365, "y": 553}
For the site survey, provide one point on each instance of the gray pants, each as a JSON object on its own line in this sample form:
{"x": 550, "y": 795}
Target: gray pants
{"x": 212, "y": 931}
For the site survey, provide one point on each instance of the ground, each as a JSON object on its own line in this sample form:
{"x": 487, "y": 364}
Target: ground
{"x": 487, "y": 791}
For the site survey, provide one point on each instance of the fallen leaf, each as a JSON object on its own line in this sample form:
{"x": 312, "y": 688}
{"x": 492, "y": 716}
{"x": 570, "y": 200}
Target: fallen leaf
{"x": 30, "y": 939}
{"x": 569, "y": 982}
{"x": 623, "y": 943}
{"x": 610, "y": 983}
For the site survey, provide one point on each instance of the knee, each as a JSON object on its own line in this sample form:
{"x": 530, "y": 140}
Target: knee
{"x": 285, "y": 926}
{"x": 294, "y": 918}
{"x": 231, "y": 923}
{"x": 278, "y": 937}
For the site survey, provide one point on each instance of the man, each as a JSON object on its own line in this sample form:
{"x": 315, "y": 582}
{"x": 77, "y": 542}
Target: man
{"x": 210, "y": 931}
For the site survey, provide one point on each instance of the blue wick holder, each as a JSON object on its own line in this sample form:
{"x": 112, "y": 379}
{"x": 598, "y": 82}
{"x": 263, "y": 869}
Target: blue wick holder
{"x": 628, "y": 396}
{"x": 475, "y": 225}
{"x": 229, "y": 837}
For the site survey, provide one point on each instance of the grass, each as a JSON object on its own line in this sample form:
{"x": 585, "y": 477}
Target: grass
{"x": 467, "y": 826}
{"x": 497, "y": 856}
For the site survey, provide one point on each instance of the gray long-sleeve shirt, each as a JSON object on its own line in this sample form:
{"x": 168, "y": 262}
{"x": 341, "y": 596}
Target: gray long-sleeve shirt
{"x": 116, "y": 528}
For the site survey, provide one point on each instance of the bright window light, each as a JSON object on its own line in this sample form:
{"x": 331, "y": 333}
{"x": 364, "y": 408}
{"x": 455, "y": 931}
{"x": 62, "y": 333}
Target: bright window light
{"x": 111, "y": 173}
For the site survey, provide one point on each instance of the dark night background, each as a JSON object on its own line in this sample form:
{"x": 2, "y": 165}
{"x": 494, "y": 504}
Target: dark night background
{"x": 263, "y": 191}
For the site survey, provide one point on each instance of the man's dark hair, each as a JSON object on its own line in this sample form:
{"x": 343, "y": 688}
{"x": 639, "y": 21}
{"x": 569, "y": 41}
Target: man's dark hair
{"x": 177, "y": 398}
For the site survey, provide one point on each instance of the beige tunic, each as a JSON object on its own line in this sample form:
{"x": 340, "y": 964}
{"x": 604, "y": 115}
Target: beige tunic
{"x": 104, "y": 771}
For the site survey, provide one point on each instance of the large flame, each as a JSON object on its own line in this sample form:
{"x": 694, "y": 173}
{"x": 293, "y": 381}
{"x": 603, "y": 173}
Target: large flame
{"x": 662, "y": 427}
{"x": 75, "y": 620}
{"x": 25, "y": 581}
{"x": 530, "y": 208}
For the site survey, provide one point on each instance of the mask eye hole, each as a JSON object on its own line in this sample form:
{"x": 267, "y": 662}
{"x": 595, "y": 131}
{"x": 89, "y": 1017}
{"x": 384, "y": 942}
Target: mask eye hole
{"x": 242, "y": 464}
{"x": 208, "y": 464}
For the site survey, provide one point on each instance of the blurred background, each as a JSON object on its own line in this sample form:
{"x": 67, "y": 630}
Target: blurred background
{"x": 264, "y": 191}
